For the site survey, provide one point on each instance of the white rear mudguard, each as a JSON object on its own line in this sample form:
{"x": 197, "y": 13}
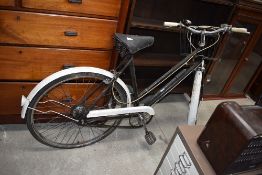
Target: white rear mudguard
{"x": 26, "y": 100}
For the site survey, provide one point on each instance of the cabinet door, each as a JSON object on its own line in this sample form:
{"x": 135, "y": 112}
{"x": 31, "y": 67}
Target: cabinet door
{"x": 256, "y": 89}
{"x": 247, "y": 70}
{"x": 228, "y": 58}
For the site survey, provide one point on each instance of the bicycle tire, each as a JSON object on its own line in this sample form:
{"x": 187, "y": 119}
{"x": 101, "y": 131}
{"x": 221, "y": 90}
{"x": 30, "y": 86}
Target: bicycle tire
{"x": 68, "y": 80}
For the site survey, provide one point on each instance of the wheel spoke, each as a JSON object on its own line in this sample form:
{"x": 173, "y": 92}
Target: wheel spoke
{"x": 52, "y": 127}
{"x": 66, "y": 132}
{"x": 70, "y": 137}
{"x": 92, "y": 131}
{"x": 55, "y": 114}
{"x": 60, "y": 131}
{"x": 81, "y": 133}
{"x": 76, "y": 136}
{"x": 54, "y": 132}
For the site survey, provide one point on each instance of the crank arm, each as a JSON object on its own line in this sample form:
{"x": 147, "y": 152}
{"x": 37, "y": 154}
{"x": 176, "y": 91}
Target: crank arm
{"x": 118, "y": 111}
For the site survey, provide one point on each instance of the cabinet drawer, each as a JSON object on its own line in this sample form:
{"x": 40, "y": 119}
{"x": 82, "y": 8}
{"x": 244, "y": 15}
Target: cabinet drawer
{"x": 22, "y": 63}
{"x": 92, "y": 7}
{"x": 55, "y": 30}
{"x": 7, "y": 3}
{"x": 11, "y": 96}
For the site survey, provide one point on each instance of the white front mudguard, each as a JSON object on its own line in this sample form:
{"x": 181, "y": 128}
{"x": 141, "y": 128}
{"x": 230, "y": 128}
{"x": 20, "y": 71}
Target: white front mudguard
{"x": 26, "y": 100}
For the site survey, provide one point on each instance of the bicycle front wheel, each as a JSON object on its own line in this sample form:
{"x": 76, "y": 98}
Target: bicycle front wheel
{"x": 52, "y": 114}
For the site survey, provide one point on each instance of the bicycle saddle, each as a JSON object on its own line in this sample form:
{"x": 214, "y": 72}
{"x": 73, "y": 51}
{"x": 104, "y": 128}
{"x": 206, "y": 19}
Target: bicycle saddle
{"x": 132, "y": 43}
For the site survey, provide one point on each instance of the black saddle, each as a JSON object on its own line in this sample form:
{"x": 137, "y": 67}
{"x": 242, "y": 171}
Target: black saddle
{"x": 131, "y": 44}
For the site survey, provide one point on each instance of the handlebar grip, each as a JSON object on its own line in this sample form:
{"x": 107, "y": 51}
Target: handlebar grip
{"x": 171, "y": 24}
{"x": 239, "y": 30}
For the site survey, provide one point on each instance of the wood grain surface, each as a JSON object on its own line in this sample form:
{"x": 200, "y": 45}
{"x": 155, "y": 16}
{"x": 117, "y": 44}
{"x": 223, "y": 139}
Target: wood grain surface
{"x": 26, "y": 63}
{"x": 48, "y": 29}
{"x": 93, "y": 7}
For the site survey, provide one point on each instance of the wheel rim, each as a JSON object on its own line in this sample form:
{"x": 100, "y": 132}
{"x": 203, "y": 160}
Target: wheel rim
{"x": 56, "y": 130}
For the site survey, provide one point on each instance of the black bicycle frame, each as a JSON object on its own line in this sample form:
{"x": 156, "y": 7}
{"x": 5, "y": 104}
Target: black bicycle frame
{"x": 159, "y": 95}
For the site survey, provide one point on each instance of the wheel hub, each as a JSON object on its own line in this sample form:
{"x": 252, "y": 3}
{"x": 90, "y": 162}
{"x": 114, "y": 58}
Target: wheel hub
{"x": 79, "y": 112}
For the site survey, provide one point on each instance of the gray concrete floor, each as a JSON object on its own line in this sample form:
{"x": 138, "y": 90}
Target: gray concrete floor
{"x": 206, "y": 108}
{"x": 123, "y": 152}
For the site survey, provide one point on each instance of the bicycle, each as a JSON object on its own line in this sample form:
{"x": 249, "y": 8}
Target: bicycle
{"x": 80, "y": 106}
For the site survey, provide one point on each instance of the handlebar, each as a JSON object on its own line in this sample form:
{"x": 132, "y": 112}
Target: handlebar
{"x": 203, "y": 29}
{"x": 239, "y": 30}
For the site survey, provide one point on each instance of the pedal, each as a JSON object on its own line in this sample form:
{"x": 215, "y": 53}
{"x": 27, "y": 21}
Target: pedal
{"x": 150, "y": 137}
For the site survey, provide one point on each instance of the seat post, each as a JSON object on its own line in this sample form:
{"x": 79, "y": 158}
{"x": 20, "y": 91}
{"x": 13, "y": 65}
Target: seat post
{"x": 133, "y": 79}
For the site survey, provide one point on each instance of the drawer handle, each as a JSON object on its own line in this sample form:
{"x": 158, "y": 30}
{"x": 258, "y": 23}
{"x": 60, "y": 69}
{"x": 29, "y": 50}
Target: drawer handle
{"x": 75, "y": 1}
{"x": 70, "y": 33}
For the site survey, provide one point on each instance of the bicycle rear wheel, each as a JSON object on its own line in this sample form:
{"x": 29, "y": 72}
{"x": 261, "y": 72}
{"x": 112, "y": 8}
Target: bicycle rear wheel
{"x": 52, "y": 112}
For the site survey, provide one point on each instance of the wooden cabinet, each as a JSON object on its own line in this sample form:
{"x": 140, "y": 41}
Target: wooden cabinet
{"x": 255, "y": 90}
{"x": 34, "y": 64}
{"x": 92, "y": 7}
{"x": 38, "y": 38}
{"x": 7, "y": 3}
{"x": 11, "y": 93}
{"x": 170, "y": 46}
{"x": 239, "y": 56}
{"x": 238, "y": 59}
{"x": 56, "y": 30}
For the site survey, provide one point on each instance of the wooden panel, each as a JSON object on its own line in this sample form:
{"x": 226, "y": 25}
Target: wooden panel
{"x": 11, "y": 96}
{"x": 223, "y": 2}
{"x": 93, "y": 7}
{"x": 7, "y": 3}
{"x": 11, "y": 119}
{"x": 255, "y": 90}
{"x": 69, "y": 94}
{"x": 22, "y": 63}
{"x": 44, "y": 29}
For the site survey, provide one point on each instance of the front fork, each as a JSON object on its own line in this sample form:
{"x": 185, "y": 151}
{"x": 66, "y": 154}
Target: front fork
{"x": 195, "y": 96}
